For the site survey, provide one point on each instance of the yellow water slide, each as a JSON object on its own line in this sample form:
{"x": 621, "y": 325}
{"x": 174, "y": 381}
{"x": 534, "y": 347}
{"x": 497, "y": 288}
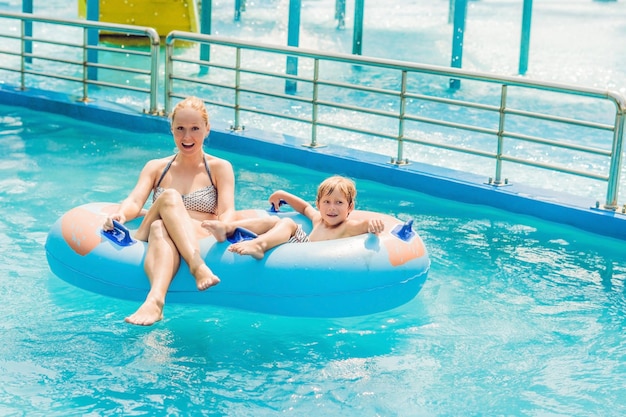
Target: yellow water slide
{"x": 162, "y": 15}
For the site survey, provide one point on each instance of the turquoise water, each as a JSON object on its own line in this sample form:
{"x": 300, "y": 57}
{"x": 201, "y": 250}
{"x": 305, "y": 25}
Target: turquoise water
{"x": 517, "y": 317}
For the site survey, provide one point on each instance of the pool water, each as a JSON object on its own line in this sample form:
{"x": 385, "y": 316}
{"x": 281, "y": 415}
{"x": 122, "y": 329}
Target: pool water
{"x": 517, "y": 316}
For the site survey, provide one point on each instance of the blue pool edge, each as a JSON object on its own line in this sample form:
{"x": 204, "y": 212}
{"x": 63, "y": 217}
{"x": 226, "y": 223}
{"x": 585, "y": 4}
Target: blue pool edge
{"x": 436, "y": 181}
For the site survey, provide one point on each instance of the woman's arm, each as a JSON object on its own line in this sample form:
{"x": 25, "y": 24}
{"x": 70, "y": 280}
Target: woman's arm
{"x": 224, "y": 180}
{"x": 132, "y": 206}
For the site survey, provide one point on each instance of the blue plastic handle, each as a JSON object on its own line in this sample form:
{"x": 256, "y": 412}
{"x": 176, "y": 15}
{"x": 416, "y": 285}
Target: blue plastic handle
{"x": 404, "y": 231}
{"x": 241, "y": 234}
{"x": 119, "y": 235}
{"x": 275, "y": 209}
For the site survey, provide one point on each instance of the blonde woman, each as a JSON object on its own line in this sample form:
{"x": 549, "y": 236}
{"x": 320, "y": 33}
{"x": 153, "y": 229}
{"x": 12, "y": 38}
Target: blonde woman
{"x": 187, "y": 188}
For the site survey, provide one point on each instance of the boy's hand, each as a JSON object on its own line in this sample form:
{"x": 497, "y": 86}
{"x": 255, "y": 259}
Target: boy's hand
{"x": 375, "y": 226}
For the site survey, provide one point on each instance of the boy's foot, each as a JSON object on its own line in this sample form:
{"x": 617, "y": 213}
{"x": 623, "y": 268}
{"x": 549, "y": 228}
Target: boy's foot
{"x": 248, "y": 247}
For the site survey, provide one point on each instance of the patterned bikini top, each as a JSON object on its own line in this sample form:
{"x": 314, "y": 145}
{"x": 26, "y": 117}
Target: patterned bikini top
{"x": 203, "y": 200}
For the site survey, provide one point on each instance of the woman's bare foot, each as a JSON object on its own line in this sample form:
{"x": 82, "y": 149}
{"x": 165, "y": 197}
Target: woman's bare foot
{"x": 149, "y": 313}
{"x": 217, "y": 229}
{"x": 205, "y": 278}
{"x": 248, "y": 247}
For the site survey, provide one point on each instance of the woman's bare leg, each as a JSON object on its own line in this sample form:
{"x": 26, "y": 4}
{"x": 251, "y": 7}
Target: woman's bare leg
{"x": 284, "y": 229}
{"x": 161, "y": 263}
{"x": 221, "y": 230}
{"x": 170, "y": 209}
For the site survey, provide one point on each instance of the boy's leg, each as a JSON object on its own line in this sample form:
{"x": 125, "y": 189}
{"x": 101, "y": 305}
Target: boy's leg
{"x": 279, "y": 234}
{"x": 221, "y": 230}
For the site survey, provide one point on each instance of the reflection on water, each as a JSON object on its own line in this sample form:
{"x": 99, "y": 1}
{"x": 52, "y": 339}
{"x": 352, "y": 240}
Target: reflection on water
{"x": 517, "y": 317}
{"x": 515, "y": 314}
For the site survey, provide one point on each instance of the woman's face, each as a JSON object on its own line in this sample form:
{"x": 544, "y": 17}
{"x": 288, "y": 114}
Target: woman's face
{"x": 189, "y": 130}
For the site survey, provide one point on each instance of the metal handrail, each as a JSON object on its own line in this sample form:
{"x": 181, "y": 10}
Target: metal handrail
{"x": 403, "y": 94}
{"x": 398, "y": 120}
{"x": 84, "y": 69}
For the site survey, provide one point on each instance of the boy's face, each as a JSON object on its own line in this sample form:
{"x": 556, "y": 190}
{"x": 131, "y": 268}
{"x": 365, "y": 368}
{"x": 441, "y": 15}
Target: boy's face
{"x": 334, "y": 208}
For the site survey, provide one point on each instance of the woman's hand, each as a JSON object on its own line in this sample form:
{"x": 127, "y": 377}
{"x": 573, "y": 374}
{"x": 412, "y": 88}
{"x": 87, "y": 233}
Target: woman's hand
{"x": 108, "y": 223}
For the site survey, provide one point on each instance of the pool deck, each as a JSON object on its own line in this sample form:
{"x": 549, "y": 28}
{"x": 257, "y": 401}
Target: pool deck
{"x": 436, "y": 181}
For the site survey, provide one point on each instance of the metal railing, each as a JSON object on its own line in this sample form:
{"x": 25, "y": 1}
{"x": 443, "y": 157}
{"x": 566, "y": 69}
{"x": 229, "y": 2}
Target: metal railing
{"x": 372, "y": 101}
{"x": 252, "y": 82}
{"x": 38, "y": 50}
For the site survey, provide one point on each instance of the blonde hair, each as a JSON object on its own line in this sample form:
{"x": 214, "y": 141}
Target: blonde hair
{"x": 193, "y": 103}
{"x": 343, "y": 184}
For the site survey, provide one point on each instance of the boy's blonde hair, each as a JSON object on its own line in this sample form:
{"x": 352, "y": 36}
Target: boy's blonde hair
{"x": 194, "y": 103}
{"x": 343, "y": 184}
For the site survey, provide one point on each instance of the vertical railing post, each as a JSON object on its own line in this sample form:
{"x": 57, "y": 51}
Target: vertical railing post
{"x": 458, "y": 31}
{"x": 525, "y": 38}
{"x": 155, "y": 46}
{"x": 615, "y": 167}
{"x": 237, "y": 125}
{"x": 205, "y": 28}
{"x": 314, "y": 109}
{"x": 240, "y": 6}
{"x": 293, "y": 39}
{"x": 400, "y": 160}
{"x": 93, "y": 38}
{"x": 340, "y": 13}
{"x": 500, "y": 146}
{"x": 27, "y": 7}
{"x": 357, "y": 37}
{"x": 86, "y": 68}
{"x": 169, "y": 67}
{"x": 22, "y": 58}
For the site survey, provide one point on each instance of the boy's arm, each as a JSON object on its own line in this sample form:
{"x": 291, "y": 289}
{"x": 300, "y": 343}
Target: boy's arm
{"x": 294, "y": 201}
{"x": 360, "y": 227}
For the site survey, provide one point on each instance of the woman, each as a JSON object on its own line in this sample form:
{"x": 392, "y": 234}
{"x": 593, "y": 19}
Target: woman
{"x": 188, "y": 188}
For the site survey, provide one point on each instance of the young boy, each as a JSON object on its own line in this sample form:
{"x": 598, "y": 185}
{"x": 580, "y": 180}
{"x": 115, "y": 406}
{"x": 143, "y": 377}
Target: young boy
{"x": 335, "y": 201}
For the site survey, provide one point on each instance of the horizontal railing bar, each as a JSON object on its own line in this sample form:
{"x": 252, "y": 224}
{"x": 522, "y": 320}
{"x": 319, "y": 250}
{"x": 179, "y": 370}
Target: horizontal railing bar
{"x": 448, "y": 72}
{"x": 552, "y": 167}
{"x": 549, "y": 142}
{"x": 119, "y": 86}
{"x": 246, "y": 70}
{"x": 53, "y": 59}
{"x": 404, "y": 106}
{"x": 56, "y": 76}
{"x": 109, "y": 49}
{"x": 454, "y": 125}
{"x": 567, "y": 120}
{"x": 111, "y": 27}
{"x": 129, "y": 70}
{"x": 274, "y": 114}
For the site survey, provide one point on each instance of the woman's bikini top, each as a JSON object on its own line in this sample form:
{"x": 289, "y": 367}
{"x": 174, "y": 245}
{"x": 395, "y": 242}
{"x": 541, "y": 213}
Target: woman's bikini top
{"x": 203, "y": 200}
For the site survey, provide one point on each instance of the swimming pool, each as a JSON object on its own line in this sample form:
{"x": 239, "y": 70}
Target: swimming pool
{"x": 517, "y": 317}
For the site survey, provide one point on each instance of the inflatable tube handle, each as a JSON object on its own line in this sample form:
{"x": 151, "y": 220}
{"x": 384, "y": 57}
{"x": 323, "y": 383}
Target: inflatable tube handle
{"x": 119, "y": 235}
{"x": 275, "y": 209}
{"x": 404, "y": 231}
{"x": 241, "y": 234}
